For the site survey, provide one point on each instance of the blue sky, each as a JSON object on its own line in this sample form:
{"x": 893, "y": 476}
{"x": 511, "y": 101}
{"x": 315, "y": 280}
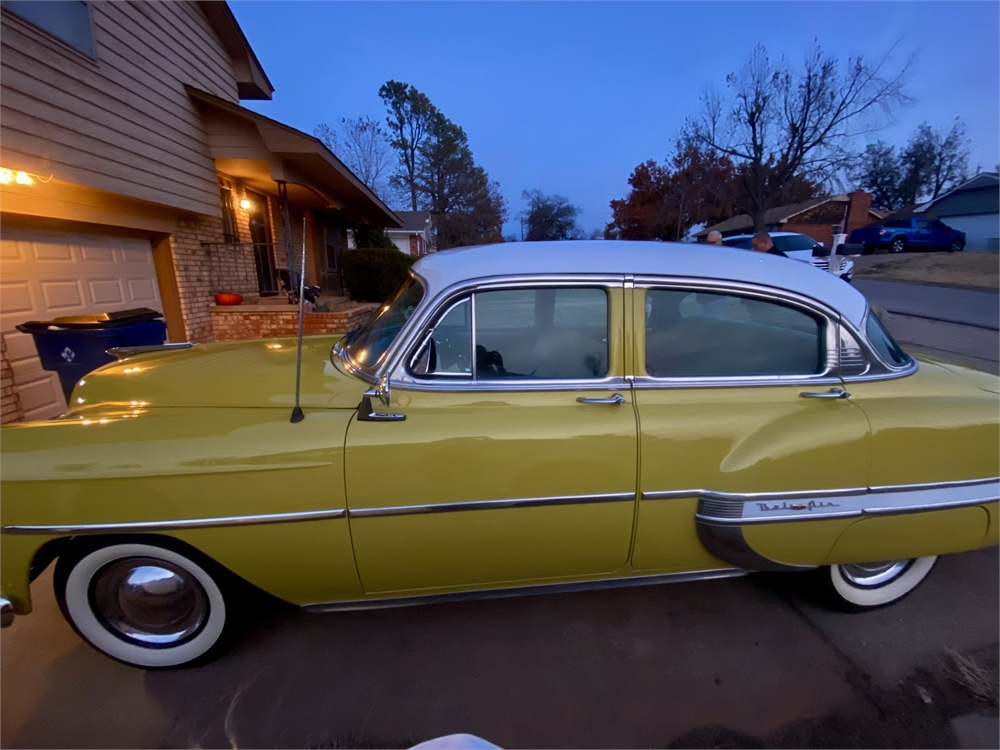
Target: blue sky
{"x": 569, "y": 97}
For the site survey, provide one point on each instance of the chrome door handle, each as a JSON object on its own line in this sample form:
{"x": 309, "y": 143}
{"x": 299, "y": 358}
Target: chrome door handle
{"x": 616, "y": 399}
{"x": 832, "y": 393}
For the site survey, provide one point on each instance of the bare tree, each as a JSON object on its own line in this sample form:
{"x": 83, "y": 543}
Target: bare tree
{"x": 776, "y": 123}
{"x": 411, "y": 115}
{"x": 933, "y": 161}
{"x": 364, "y": 147}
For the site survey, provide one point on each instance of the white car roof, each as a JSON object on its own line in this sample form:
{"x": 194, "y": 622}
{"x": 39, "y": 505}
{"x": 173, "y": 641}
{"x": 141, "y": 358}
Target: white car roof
{"x": 443, "y": 269}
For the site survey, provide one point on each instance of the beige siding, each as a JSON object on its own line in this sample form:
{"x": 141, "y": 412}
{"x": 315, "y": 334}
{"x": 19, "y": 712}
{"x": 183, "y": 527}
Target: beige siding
{"x": 123, "y": 122}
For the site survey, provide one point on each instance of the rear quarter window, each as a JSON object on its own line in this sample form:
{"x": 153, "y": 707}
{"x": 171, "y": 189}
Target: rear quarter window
{"x": 884, "y": 343}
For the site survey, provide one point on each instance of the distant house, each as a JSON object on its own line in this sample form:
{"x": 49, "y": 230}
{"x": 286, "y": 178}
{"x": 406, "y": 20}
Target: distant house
{"x": 973, "y": 207}
{"x": 814, "y": 218}
{"x": 131, "y": 176}
{"x": 416, "y": 237}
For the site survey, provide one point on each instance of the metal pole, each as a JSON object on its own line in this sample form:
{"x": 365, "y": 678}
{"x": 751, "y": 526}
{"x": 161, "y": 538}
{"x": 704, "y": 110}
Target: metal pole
{"x": 283, "y": 199}
{"x": 297, "y": 415}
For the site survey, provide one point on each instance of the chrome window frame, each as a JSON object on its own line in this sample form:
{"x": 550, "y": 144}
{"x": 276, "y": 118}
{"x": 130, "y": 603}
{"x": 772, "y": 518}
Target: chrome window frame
{"x": 879, "y": 369}
{"x": 409, "y": 341}
{"x": 833, "y": 320}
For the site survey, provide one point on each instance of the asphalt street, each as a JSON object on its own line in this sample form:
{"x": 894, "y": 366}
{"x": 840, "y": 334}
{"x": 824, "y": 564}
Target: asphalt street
{"x": 964, "y": 306}
{"x": 753, "y": 661}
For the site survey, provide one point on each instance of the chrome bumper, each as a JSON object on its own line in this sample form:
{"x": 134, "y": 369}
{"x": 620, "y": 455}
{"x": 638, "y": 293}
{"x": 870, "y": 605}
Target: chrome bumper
{"x": 6, "y": 613}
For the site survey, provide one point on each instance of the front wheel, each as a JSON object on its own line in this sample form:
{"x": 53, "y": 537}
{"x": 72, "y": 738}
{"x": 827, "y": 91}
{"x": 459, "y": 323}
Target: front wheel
{"x": 956, "y": 246}
{"x": 861, "y": 586}
{"x": 141, "y": 604}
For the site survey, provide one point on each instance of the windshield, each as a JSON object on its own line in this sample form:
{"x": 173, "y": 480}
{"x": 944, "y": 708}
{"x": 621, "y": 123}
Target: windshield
{"x": 369, "y": 344}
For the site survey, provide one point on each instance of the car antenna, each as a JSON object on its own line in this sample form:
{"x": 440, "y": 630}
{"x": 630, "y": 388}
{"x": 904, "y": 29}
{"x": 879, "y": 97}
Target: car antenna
{"x": 297, "y": 415}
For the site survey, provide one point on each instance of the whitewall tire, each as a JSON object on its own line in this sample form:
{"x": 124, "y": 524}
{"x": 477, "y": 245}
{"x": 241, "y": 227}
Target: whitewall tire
{"x": 867, "y": 585}
{"x": 142, "y": 604}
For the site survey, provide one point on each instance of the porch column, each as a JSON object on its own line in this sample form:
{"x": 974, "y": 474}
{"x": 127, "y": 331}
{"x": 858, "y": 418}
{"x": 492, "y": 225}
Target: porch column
{"x": 283, "y": 201}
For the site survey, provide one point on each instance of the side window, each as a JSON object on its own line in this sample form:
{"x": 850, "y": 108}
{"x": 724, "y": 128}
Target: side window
{"x": 447, "y": 351}
{"x": 520, "y": 334}
{"x": 922, "y": 224}
{"x": 700, "y": 334}
{"x": 939, "y": 225}
{"x": 557, "y": 333}
{"x": 69, "y": 20}
{"x": 788, "y": 242}
{"x": 884, "y": 343}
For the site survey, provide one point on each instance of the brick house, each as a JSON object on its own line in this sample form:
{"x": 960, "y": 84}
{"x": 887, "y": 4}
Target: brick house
{"x": 815, "y": 218}
{"x": 130, "y": 176}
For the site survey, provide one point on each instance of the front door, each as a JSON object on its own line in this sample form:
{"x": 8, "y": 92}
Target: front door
{"x": 738, "y": 406}
{"x": 516, "y": 462}
{"x": 263, "y": 250}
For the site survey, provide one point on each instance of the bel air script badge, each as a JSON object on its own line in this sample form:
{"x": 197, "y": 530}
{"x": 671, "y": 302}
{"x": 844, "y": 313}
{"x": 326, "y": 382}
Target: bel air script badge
{"x": 811, "y": 505}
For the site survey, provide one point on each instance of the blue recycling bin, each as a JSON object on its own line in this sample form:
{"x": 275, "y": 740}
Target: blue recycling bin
{"x": 75, "y": 345}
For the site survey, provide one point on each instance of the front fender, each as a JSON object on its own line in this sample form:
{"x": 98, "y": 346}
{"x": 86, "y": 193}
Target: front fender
{"x": 138, "y": 469}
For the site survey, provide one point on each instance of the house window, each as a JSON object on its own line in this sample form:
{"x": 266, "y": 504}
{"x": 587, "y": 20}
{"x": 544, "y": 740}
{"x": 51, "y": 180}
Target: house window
{"x": 68, "y": 20}
{"x": 228, "y": 215}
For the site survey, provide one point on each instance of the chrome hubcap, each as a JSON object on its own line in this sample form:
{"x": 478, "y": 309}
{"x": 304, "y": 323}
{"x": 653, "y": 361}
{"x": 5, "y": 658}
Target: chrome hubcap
{"x": 869, "y": 575}
{"x": 148, "y": 601}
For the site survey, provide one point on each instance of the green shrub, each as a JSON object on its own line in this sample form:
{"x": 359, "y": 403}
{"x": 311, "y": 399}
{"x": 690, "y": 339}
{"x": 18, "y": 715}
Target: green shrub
{"x": 369, "y": 235}
{"x": 372, "y": 274}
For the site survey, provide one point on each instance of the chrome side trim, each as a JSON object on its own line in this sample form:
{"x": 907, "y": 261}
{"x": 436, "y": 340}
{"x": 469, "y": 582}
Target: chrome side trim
{"x": 533, "y": 590}
{"x": 189, "y": 523}
{"x": 6, "y": 613}
{"x": 768, "y": 507}
{"x": 727, "y": 542}
{"x": 523, "y": 502}
{"x": 123, "y": 352}
{"x": 749, "y": 496}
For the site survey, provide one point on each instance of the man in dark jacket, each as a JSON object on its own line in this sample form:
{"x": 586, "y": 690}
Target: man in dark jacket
{"x": 761, "y": 243}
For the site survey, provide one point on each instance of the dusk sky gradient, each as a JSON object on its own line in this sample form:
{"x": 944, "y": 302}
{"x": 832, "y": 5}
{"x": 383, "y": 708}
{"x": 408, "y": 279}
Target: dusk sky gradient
{"x": 569, "y": 97}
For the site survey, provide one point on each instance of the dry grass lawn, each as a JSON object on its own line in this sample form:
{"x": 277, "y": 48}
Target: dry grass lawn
{"x": 959, "y": 269}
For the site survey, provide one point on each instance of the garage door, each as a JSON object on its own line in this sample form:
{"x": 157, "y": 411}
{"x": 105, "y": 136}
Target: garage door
{"x": 50, "y": 274}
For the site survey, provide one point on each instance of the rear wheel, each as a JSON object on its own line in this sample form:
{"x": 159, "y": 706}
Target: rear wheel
{"x": 898, "y": 245}
{"x": 956, "y": 246}
{"x": 862, "y": 586}
{"x": 141, "y": 604}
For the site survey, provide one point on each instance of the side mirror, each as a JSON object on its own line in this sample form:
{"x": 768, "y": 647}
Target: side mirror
{"x": 383, "y": 389}
{"x": 851, "y": 249}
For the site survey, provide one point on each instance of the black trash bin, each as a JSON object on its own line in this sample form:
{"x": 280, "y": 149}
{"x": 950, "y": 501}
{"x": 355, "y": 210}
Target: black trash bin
{"x": 78, "y": 344}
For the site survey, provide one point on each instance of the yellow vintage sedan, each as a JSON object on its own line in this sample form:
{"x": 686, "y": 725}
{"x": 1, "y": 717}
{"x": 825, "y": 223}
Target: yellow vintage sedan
{"x": 518, "y": 419}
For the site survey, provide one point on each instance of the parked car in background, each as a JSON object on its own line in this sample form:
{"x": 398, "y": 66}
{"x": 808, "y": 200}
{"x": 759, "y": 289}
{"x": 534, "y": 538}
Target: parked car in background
{"x": 524, "y": 418}
{"x": 798, "y": 247}
{"x": 900, "y": 235}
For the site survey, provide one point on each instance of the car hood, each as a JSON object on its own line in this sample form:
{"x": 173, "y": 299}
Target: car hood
{"x": 255, "y": 374}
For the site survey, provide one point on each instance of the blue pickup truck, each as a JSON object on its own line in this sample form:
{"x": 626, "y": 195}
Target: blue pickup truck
{"x": 900, "y": 235}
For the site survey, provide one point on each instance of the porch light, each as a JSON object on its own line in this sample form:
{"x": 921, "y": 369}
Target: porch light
{"x": 245, "y": 204}
{"x": 8, "y": 176}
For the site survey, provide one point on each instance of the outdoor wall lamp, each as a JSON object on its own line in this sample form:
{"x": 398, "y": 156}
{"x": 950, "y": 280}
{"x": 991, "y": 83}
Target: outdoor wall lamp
{"x": 245, "y": 204}
{"x": 8, "y": 176}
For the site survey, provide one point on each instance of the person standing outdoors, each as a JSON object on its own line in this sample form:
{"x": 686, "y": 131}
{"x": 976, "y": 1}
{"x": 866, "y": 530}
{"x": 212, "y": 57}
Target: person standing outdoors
{"x": 761, "y": 243}
{"x": 714, "y": 238}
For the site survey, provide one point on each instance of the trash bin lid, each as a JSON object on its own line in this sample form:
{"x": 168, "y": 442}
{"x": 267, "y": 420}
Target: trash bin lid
{"x": 97, "y": 320}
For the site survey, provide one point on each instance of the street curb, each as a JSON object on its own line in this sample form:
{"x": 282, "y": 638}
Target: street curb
{"x": 860, "y": 276}
{"x": 980, "y": 326}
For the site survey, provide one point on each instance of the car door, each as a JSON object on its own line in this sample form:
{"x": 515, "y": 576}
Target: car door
{"x": 922, "y": 234}
{"x": 741, "y": 418}
{"x": 516, "y": 456}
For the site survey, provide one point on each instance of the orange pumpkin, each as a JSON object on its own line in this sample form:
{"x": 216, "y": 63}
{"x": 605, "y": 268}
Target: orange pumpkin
{"x": 228, "y": 298}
